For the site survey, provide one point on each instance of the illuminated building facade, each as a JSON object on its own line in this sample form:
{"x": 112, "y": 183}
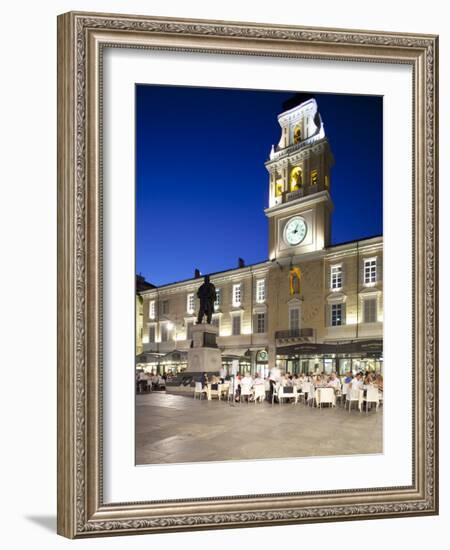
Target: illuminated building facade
{"x": 310, "y": 306}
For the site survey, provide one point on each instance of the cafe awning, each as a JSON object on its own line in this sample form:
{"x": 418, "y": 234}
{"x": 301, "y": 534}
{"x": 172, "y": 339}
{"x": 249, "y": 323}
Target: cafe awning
{"x": 357, "y": 346}
{"x": 174, "y": 356}
{"x": 148, "y": 357}
{"x": 235, "y": 353}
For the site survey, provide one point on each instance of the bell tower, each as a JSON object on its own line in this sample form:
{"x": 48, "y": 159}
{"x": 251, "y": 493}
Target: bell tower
{"x": 299, "y": 168}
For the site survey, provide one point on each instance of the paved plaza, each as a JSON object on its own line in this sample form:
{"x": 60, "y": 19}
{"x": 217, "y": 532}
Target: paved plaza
{"x": 174, "y": 429}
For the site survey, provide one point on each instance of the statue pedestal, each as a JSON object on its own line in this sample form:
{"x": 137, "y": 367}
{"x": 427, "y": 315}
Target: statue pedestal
{"x": 204, "y": 355}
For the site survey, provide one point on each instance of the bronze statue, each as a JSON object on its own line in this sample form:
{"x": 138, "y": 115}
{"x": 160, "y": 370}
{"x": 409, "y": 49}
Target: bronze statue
{"x": 207, "y": 295}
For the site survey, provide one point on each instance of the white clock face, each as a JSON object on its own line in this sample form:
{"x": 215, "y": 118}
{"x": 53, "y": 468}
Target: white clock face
{"x": 295, "y": 231}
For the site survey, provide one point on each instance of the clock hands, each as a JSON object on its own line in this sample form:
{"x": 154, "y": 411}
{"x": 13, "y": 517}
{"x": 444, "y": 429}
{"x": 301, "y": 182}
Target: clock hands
{"x": 295, "y": 231}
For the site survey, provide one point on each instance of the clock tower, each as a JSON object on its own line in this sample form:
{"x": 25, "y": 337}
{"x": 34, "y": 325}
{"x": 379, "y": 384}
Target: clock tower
{"x": 299, "y": 167}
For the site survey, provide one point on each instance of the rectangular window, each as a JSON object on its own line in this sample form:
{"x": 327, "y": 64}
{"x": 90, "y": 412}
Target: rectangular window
{"x": 165, "y": 307}
{"x": 337, "y": 315}
{"x": 260, "y": 291}
{"x": 236, "y": 325}
{"x": 314, "y": 177}
{"x": 260, "y": 323}
{"x": 237, "y": 295}
{"x": 189, "y": 326}
{"x": 190, "y": 305}
{"x": 164, "y": 332}
{"x": 152, "y": 309}
{"x": 336, "y": 277}
{"x": 152, "y": 333}
{"x": 294, "y": 318}
{"x": 218, "y": 299}
{"x": 370, "y": 271}
{"x": 370, "y": 310}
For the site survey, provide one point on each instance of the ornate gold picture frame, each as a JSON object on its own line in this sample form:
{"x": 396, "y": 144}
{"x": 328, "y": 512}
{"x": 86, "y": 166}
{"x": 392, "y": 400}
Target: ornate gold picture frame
{"x": 82, "y": 37}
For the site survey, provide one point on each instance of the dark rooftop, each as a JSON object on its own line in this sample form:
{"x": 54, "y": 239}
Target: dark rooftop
{"x": 297, "y": 99}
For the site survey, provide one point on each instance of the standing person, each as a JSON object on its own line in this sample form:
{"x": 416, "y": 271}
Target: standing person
{"x": 274, "y": 377}
{"x": 348, "y": 378}
{"x": 222, "y": 374}
{"x": 204, "y": 380}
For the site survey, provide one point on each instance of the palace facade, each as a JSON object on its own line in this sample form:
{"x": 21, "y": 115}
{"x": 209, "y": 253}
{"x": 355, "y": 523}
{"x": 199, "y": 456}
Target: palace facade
{"x": 310, "y": 306}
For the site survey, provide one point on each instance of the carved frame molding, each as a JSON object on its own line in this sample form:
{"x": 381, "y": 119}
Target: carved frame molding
{"x": 81, "y": 39}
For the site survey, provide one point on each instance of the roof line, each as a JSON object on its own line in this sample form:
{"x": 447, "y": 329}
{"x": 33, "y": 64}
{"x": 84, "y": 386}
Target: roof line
{"x": 355, "y": 240}
{"x": 211, "y": 274}
{"x": 193, "y": 279}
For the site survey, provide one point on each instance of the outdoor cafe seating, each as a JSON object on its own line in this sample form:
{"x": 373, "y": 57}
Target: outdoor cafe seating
{"x": 318, "y": 396}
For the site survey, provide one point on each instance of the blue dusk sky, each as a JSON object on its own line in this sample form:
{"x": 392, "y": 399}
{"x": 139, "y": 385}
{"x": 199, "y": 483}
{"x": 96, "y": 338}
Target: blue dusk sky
{"x": 201, "y": 183}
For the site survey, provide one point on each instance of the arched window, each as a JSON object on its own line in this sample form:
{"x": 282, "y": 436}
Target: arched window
{"x": 297, "y": 134}
{"x": 278, "y": 188}
{"x": 296, "y": 178}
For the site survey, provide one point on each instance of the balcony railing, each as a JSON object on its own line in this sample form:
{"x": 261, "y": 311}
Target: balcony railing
{"x": 294, "y": 333}
{"x": 280, "y": 152}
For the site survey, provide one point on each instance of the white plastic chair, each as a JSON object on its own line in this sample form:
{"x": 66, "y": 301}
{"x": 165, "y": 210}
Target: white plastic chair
{"x": 246, "y": 391}
{"x": 380, "y": 396}
{"x": 225, "y": 391}
{"x": 345, "y": 387}
{"x": 199, "y": 390}
{"x": 308, "y": 389}
{"x": 372, "y": 396}
{"x": 260, "y": 393}
{"x": 275, "y": 391}
{"x": 352, "y": 397}
{"x": 326, "y": 395}
{"x": 283, "y": 394}
{"x": 214, "y": 392}
{"x": 299, "y": 388}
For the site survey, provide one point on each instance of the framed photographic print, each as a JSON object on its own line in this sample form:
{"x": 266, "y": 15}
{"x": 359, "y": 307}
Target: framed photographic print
{"x": 247, "y": 284}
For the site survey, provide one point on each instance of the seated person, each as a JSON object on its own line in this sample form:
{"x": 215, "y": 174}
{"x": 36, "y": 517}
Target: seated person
{"x": 334, "y": 382}
{"x": 357, "y": 382}
{"x": 379, "y": 382}
{"x": 258, "y": 380}
{"x": 289, "y": 381}
{"x": 246, "y": 381}
{"x": 246, "y": 384}
{"x": 320, "y": 380}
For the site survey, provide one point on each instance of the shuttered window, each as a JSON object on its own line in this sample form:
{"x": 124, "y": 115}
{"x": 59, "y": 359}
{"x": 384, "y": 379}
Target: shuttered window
{"x": 236, "y": 325}
{"x": 370, "y": 310}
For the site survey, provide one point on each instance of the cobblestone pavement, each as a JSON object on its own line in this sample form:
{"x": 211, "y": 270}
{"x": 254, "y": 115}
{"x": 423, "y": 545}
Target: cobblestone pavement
{"x": 175, "y": 429}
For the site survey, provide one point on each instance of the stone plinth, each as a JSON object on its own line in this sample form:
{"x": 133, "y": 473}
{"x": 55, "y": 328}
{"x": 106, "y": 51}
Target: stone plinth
{"x": 204, "y": 355}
